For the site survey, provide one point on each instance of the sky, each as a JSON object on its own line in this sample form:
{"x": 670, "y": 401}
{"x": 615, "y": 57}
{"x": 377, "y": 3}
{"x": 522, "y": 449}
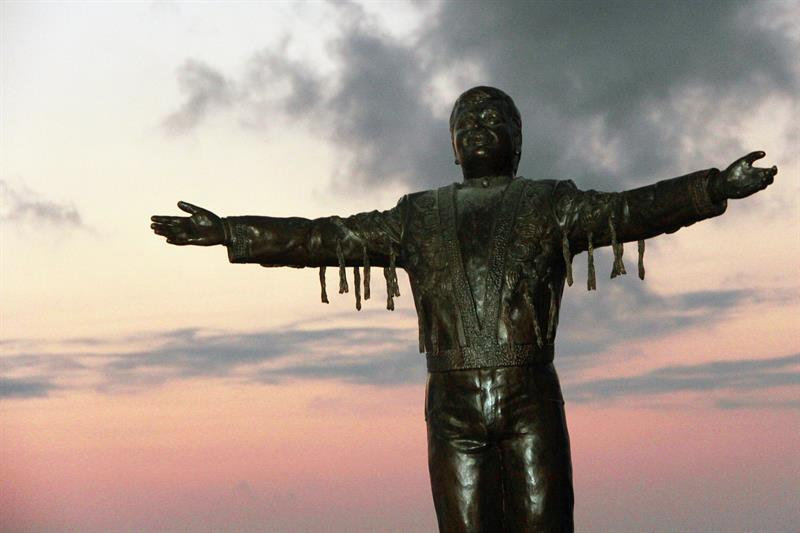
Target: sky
{"x": 146, "y": 387}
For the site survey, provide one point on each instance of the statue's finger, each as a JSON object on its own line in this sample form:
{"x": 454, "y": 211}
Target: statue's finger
{"x": 754, "y": 156}
{"x": 165, "y": 231}
{"x": 189, "y": 208}
{"x": 163, "y": 219}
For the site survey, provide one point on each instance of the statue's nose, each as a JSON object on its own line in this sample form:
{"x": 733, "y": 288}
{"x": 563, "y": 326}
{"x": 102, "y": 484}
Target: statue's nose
{"x": 478, "y": 137}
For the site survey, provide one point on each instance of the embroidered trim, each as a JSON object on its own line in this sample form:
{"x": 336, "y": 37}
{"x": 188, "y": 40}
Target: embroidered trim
{"x": 237, "y": 245}
{"x": 490, "y": 356}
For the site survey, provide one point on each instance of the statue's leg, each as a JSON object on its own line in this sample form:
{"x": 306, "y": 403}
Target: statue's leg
{"x": 534, "y": 450}
{"x": 464, "y": 465}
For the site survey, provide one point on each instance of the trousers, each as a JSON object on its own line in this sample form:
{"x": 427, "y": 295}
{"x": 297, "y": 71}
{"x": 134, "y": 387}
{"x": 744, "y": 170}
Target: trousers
{"x": 498, "y": 450}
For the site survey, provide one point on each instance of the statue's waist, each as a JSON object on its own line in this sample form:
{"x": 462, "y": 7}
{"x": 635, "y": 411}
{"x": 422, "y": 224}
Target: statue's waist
{"x": 489, "y": 356}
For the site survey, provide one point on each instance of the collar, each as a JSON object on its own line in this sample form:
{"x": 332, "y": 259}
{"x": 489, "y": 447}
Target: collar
{"x": 485, "y": 182}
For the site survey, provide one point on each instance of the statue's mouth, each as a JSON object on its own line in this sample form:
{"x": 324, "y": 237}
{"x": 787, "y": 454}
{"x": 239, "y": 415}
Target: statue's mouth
{"x": 479, "y": 139}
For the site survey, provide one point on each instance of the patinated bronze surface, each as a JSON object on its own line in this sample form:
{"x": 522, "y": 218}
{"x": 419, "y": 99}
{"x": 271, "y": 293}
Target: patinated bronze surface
{"x": 487, "y": 259}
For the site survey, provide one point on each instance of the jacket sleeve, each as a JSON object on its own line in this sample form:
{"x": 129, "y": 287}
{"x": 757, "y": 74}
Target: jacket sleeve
{"x": 589, "y": 219}
{"x": 361, "y": 240}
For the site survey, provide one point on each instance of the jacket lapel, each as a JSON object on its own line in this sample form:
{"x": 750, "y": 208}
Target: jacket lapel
{"x": 477, "y": 332}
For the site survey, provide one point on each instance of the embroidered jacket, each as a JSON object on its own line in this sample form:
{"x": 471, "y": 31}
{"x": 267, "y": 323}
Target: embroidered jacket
{"x": 539, "y": 226}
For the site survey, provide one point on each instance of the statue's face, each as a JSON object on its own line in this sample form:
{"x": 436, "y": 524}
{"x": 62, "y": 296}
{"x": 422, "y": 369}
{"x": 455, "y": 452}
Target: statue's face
{"x": 483, "y": 135}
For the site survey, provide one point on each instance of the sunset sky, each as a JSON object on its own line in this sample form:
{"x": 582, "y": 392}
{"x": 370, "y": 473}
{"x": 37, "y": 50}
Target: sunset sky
{"x": 147, "y": 387}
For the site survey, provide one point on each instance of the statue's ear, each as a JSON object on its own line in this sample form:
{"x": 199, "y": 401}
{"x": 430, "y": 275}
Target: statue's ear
{"x": 453, "y": 146}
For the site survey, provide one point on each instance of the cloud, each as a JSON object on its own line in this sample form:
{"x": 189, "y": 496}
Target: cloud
{"x": 737, "y": 376}
{"x": 20, "y": 205}
{"x": 629, "y": 90}
{"x": 24, "y": 388}
{"x": 625, "y": 309}
{"x": 621, "y": 87}
{"x": 204, "y": 89}
{"x": 358, "y": 355}
{"x": 379, "y": 356}
{"x": 400, "y": 367}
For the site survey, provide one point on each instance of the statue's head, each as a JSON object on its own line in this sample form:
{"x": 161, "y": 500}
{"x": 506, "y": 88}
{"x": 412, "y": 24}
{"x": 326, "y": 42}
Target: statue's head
{"x": 486, "y": 130}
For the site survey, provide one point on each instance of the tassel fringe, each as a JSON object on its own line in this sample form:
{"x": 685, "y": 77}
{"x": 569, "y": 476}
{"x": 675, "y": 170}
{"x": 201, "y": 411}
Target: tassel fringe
{"x": 357, "y": 286}
{"x": 342, "y": 274}
{"x": 537, "y": 330}
{"x": 366, "y": 274}
{"x": 392, "y": 287}
{"x": 591, "y": 281}
{"x": 387, "y": 273}
{"x": 324, "y": 292}
{"x": 641, "y": 258}
{"x": 551, "y": 315}
{"x": 618, "y": 268}
{"x": 567, "y": 257}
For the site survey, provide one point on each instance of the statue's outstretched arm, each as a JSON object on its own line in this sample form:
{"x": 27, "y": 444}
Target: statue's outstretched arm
{"x": 362, "y": 240}
{"x": 302, "y": 242}
{"x": 590, "y": 218}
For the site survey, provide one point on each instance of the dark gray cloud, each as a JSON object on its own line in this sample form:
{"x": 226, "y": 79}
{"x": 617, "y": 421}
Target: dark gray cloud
{"x": 738, "y": 376}
{"x": 384, "y": 369}
{"x": 370, "y": 355}
{"x": 625, "y": 309}
{"x": 646, "y": 76}
{"x": 204, "y": 88}
{"x": 21, "y": 205}
{"x": 24, "y": 388}
{"x": 286, "y": 353}
{"x": 612, "y": 93}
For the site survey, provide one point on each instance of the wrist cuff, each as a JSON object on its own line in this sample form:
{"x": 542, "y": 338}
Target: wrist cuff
{"x": 235, "y": 239}
{"x": 701, "y": 191}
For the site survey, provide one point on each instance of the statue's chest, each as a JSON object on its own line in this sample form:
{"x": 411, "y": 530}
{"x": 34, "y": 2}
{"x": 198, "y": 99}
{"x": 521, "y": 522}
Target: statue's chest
{"x": 475, "y": 214}
{"x": 476, "y": 221}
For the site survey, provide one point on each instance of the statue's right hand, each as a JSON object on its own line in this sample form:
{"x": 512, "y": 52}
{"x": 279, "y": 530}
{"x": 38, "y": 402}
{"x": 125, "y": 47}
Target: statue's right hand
{"x": 202, "y": 228}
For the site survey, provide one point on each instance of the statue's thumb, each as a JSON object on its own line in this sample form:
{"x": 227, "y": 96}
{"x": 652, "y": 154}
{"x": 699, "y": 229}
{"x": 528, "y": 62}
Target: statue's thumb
{"x": 189, "y": 208}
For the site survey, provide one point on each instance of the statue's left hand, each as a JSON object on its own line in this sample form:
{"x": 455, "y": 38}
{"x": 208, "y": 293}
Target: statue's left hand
{"x": 741, "y": 178}
{"x": 202, "y": 228}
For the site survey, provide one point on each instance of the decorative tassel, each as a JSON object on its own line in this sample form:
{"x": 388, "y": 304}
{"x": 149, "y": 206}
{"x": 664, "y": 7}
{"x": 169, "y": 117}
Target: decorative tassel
{"x": 591, "y": 282}
{"x": 322, "y": 285}
{"x": 551, "y": 315}
{"x": 387, "y": 273}
{"x": 537, "y": 330}
{"x": 366, "y": 274}
{"x": 619, "y": 267}
{"x": 342, "y": 274}
{"x": 393, "y": 272}
{"x": 567, "y": 257}
{"x": 357, "y": 286}
{"x": 641, "y": 258}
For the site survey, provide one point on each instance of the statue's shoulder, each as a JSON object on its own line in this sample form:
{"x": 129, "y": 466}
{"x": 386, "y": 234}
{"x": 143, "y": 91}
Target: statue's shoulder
{"x": 420, "y": 199}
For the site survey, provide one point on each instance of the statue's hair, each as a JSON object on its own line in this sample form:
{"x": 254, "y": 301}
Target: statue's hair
{"x": 482, "y": 94}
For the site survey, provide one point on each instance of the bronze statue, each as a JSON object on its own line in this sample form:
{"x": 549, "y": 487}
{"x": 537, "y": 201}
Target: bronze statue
{"x": 487, "y": 259}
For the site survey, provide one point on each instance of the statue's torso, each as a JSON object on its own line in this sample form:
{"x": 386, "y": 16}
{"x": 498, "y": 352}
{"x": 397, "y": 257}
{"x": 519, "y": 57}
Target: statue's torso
{"x": 486, "y": 272}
